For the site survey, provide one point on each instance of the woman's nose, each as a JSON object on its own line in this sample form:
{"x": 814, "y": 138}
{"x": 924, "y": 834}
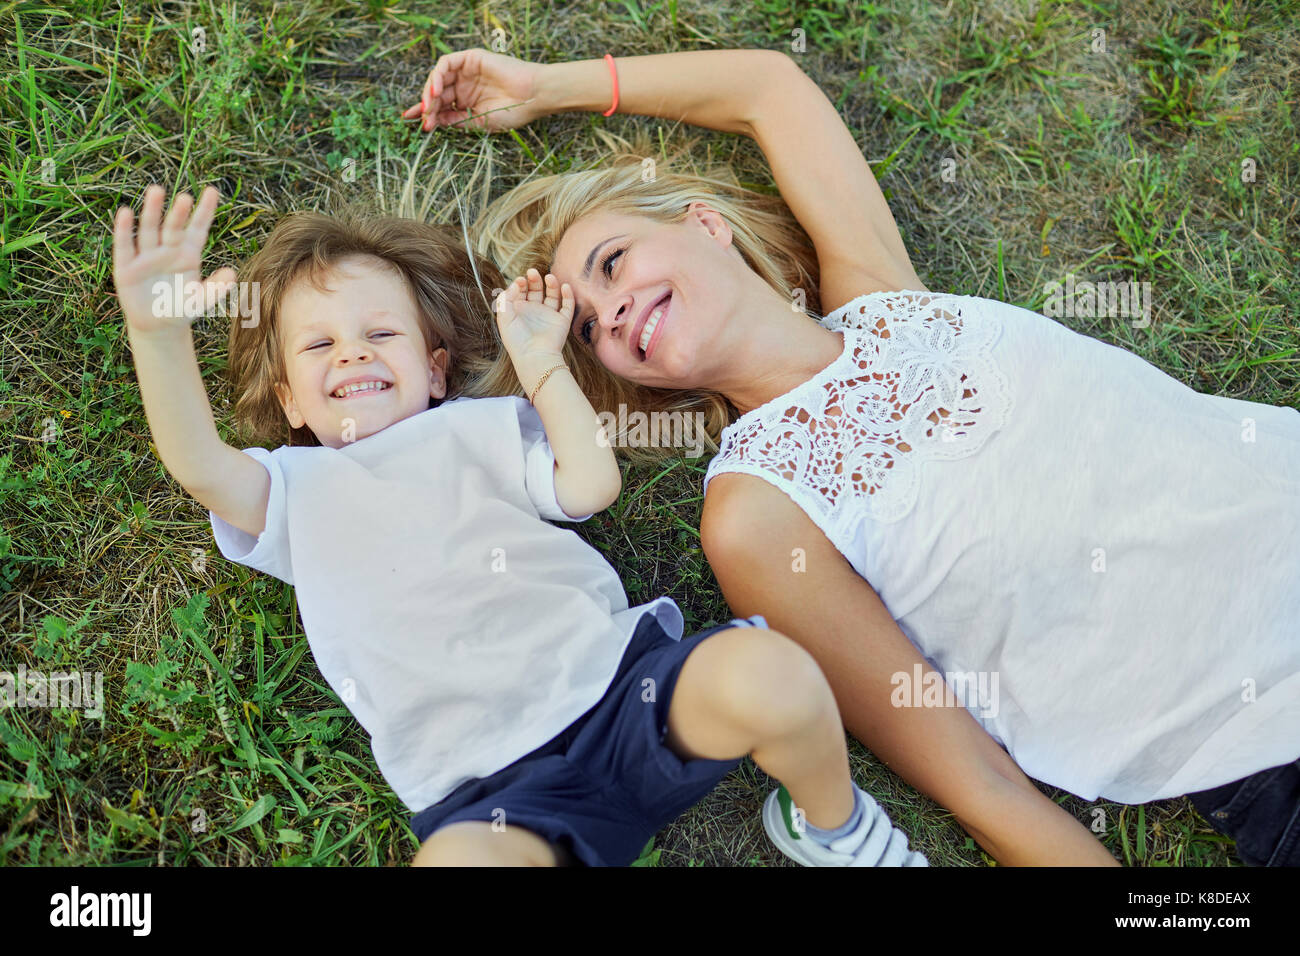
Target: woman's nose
{"x": 614, "y": 316}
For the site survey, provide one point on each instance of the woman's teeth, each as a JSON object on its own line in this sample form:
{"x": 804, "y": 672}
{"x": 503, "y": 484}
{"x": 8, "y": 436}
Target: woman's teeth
{"x": 349, "y": 390}
{"x": 650, "y": 325}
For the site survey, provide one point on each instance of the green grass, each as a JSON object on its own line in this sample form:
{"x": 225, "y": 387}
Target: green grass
{"x": 221, "y": 742}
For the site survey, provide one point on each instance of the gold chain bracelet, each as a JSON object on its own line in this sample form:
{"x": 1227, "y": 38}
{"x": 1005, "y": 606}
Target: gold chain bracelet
{"x": 543, "y": 381}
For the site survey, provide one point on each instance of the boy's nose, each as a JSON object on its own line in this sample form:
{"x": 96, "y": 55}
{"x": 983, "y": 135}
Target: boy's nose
{"x": 355, "y": 352}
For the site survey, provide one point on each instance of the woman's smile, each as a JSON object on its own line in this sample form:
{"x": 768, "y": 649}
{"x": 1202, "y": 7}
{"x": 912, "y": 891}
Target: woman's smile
{"x": 652, "y": 331}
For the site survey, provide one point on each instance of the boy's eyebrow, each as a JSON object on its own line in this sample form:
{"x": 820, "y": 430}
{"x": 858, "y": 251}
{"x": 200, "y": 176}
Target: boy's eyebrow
{"x": 317, "y": 325}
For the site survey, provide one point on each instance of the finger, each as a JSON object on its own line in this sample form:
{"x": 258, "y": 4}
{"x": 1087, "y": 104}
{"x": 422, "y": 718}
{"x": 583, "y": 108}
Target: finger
{"x": 518, "y": 287}
{"x": 217, "y": 285}
{"x": 439, "y": 111}
{"x": 444, "y": 79}
{"x": 123, "y": 240}
{"x": 413, "y": 111}
{"x": 506, "y": 304}
{"x": 441, "y": 76}
{"x": 427, "y": 93}
{"x": 173, "y": 228}
{"x": 448, "y": 67}
{"x": 196, "y": 233}
{"x": 150, "y": 216}
{"x": 552, "y": 300}
{"x": 225, "y": 276}
{"x": 448, "y": 118}
{"x": 452, "y": 118}
{"x": 534, "y": 286}
{"x": 567, "y": 301}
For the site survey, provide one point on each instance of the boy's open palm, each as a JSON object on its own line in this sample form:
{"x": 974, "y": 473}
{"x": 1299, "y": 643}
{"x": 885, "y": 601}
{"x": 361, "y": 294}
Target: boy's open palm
{"x": 166, "y": 248}
{"x": 533, "y": 320}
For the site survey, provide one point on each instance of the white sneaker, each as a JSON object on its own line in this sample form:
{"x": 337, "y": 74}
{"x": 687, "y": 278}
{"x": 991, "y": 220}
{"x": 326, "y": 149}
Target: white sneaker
{"x": 873, "y": 842}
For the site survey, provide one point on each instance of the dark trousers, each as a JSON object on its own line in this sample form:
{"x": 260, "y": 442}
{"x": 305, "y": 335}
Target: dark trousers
{"x": 1261, "y": 812}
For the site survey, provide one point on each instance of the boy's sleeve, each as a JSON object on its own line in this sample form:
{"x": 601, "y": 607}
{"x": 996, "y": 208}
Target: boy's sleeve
{"x": 539, "y": 465}
{"x": 269, "y": 551}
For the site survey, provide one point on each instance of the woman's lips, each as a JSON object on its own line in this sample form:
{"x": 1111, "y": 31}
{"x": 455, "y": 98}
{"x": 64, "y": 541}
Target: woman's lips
{"x": 659, "y": 327}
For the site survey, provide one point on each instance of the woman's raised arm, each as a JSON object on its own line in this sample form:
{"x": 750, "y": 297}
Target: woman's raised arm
{"x": 750, "y": 531}
{"x": 763, "y": 94}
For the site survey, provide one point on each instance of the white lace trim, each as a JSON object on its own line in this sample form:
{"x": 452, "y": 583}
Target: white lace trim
{"x": 916, "y": 382}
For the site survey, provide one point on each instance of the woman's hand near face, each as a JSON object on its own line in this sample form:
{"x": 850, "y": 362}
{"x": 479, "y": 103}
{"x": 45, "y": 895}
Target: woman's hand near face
{"x": 498, "y": 91}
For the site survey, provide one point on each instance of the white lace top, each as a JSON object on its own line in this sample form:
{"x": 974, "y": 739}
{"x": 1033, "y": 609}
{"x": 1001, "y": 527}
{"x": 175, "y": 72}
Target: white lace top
{"x": 1103, "y": 562}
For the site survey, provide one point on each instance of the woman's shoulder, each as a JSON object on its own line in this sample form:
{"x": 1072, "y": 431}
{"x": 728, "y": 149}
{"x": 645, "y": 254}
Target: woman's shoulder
{"x": 739, "y": 505}
{"x": 875, "y": 311}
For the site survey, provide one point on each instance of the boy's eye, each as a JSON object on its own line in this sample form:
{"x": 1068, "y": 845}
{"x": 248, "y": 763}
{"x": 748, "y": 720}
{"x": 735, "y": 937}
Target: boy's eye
{"x": 326, "y": 342}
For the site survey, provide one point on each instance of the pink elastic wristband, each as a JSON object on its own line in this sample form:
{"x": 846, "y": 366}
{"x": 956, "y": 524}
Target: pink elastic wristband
{"x": 614, "y": 74}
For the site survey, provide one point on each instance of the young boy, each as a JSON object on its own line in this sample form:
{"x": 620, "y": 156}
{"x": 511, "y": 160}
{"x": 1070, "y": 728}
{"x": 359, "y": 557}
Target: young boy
{"x": 515, "y": 703}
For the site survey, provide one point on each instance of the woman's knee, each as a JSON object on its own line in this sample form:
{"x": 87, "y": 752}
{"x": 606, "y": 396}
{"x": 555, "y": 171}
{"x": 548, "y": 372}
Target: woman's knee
{"x": 476, "y": 843}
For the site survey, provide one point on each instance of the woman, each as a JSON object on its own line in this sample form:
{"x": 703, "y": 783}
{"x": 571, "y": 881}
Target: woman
{"x": 921, "y": 484}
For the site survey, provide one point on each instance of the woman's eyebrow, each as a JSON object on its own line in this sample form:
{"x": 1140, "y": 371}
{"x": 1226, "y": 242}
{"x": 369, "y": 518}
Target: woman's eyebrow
{"x": 591, "y": 257}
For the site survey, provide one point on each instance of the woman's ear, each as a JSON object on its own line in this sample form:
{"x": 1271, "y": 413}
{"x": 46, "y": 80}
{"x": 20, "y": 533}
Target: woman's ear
{"x": 705, "y": 215}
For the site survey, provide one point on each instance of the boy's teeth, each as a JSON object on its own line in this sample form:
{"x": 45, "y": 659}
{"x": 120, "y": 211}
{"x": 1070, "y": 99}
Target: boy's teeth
{"x": 360, "y": 387}
{"x": 649, "y": 329}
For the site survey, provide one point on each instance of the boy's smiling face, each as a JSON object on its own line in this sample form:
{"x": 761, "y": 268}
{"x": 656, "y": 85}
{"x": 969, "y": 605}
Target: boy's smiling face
{"x": 363, "y": 327}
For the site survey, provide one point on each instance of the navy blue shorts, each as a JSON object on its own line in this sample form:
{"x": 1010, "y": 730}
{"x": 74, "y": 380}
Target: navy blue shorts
{"x": 607, "y": 783}
{"x": 1260, "y": 812}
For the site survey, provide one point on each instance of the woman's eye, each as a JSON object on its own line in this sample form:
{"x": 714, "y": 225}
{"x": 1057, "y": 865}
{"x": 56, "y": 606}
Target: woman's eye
{"x": 608, "y": 260}
{"x": 607, "y": 267}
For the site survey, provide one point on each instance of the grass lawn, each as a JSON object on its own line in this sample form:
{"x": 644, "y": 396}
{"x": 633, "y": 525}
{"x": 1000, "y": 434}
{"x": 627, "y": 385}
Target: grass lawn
{"x": 1016, "y": 142}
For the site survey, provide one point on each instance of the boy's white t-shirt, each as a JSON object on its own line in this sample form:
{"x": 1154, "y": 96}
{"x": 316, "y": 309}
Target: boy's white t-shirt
{"x": 460, "y": 629}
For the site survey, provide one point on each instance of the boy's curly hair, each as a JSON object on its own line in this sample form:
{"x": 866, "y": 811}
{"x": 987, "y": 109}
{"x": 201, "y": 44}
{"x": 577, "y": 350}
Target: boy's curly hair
{"x": 453, "y": 296}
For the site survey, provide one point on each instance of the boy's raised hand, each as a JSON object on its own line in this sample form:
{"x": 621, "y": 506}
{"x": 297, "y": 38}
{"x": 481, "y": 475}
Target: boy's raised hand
{"x": 166, "y": 249}
{"x": 534, "y": 321}
{"x": 499, "y": 90}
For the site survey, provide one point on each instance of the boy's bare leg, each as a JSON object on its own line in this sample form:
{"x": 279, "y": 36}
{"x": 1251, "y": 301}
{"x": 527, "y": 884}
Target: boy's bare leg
{"x": 475, "y": 843}
{"x": 755, "y": 692}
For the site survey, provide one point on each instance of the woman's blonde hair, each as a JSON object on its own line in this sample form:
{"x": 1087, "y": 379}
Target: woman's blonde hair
{"x": 522, "y": 229}
{"x": 452, "y": 294}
